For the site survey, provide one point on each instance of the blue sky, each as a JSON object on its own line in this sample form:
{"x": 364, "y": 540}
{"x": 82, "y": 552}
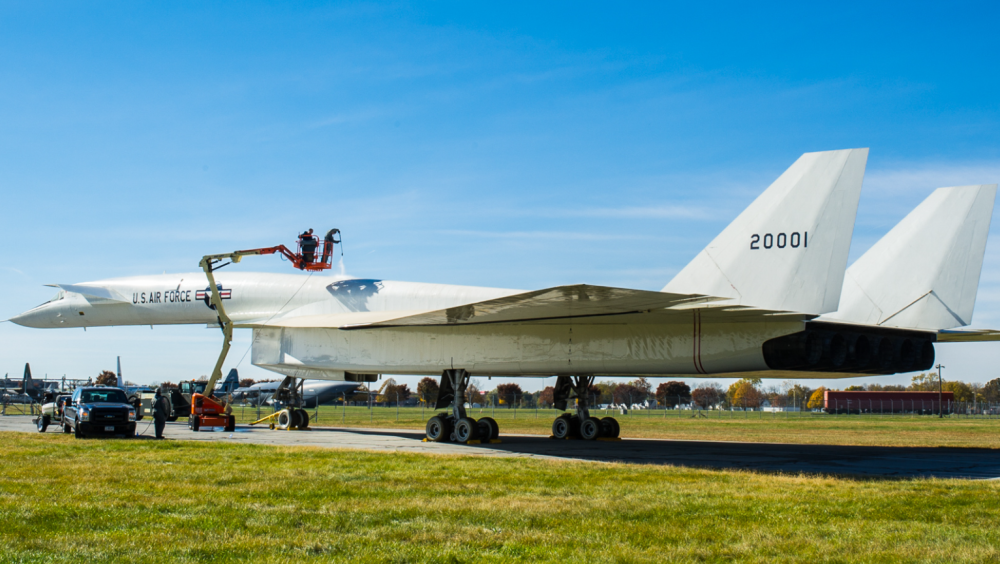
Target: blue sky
{"x": 519, "y": 146}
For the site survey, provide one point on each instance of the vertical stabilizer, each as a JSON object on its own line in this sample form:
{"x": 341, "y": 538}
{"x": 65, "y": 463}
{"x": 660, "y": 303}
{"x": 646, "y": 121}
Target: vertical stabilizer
{"x": 231, "y": 382}
{"x": 27, "y": 377}
{"x": 788, "y": 250}
{"x": 121, "y": 383}
{"x": 924, "y": 273}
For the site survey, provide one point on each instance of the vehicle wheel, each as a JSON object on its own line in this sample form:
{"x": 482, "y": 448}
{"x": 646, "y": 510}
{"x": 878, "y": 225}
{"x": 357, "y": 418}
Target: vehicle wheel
{"x": 285, "y": 419}
{"x": 303, "y": 419}
{"x": 437, "y": 429}
{"x": 76, "y": 430}
{"x": 610, "y": 428}
{"x": 561, "y": 427}
{"x": 66, "y": 428}
{"x": 590, "y": 428}
{"x": 231, "y": 424}
{"x": 195, "y": 423}
{"x": 494, "y": 429}
{"x": 466, "y": 430}
{"x": 43, "y": 423}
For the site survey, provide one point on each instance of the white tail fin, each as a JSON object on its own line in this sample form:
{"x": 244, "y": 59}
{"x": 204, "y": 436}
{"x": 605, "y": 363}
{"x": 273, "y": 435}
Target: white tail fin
{"x": 925, "y": 272}
{"x": 788, "y": 250}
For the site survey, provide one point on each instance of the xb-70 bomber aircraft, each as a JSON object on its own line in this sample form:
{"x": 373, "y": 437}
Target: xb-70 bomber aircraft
{"x": 766, "y": 298}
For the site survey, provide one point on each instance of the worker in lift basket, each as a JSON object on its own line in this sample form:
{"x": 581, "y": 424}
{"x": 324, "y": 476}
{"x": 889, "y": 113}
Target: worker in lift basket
{"x": 308, "y": 245}
{"x": 161, "y": 409}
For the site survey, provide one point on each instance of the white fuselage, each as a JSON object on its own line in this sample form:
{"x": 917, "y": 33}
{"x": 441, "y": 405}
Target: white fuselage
{"x": 633, "y": 344}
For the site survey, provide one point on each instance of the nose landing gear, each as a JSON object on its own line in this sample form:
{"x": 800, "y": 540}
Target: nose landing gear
{"x": 458, "y": 426}
{"x": 580, "y": 425}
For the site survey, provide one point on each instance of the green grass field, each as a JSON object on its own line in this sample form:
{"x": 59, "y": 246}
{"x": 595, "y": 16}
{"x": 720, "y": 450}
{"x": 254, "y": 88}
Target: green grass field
{"x": 810, "y": 428}
{"x": 63, "y": 500}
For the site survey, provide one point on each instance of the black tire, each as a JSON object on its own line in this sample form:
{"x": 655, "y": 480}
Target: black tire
{"x": 561, "y": 427}
{"x": 437, "y": 429}
{"x": 195, "y": 423}
{"x": 303, "y": 419}
{"x": 590, "y": 428}
{"x": 76, "y": 430}
{"x": 494, "y": 429}
{"x": 574, "y": 426}
{"x": 466, "y": 430}
{"x": 43, "y": 423}
{"x": 66, "y": 428}
{"x": 611, "y": 429}
{"x": 231, "y": 424}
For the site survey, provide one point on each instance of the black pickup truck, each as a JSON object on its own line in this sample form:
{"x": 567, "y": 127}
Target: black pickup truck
{"x": 99, "y": 410}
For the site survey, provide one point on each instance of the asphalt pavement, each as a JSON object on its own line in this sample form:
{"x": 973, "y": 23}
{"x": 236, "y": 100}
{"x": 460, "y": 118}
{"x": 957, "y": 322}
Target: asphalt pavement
{"x": 859, "y": 461}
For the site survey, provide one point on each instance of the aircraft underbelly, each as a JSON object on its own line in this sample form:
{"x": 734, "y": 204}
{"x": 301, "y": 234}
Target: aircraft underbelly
{"x": 520, "y": 349}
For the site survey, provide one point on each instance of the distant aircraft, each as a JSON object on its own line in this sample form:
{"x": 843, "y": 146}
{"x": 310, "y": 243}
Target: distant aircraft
{"x": 314, "y": 392}
{"x": 751, "y": 303}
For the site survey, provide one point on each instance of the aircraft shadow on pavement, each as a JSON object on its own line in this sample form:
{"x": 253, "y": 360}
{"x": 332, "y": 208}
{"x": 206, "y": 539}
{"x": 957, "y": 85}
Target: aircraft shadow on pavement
{"x": 865, "y": 462}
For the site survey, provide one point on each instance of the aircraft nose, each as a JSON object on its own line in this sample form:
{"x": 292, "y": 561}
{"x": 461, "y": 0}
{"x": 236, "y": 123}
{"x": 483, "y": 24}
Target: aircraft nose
{"x": 41, "y": 317}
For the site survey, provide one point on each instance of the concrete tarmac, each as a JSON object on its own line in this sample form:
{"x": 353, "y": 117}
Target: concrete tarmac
{"x": 858, "y": 461}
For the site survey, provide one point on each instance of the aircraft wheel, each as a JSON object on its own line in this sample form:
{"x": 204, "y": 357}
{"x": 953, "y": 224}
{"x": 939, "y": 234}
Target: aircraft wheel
{"x": 590, "y": 428}
{"x": 561, "y": 427}
{"x": 466, "y": 430}
{"x": 43, "y": 423}
{"x": 285, "y": 419}
{"x": 488, "y": 428}
{"x": 437, "y": 429}
{"x": 303, "y": 419}
{"x": 610, "y": 428}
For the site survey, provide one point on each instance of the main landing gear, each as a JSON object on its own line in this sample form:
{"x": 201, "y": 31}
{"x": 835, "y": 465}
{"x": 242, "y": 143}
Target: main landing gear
{"x": 458, "y": 426}
{"x": 581, "y": 425}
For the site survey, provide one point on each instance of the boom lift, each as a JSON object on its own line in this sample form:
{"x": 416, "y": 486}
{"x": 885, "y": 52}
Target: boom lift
{"x": 207, "y": 411}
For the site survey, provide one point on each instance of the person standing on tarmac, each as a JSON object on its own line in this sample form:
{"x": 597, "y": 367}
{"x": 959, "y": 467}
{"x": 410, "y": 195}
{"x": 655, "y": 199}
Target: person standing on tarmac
{"x": 161, "y": 409}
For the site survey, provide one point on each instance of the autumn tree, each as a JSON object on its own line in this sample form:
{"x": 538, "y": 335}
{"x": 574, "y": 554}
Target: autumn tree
{"x": 854, "y": 388}
{"x": 707, "y": 394}
{"x": 246, "y": 382}
{"x": 547, "y": 396}
{"x": 672, "y": 393}
{"x": 817, "y": 399}
{"x": 924, "y": 382}
{"x": 107, "y": 378}
{"x": 744, "y": 393}
{"x": 627, "y": 394}
{"x": 427, "y": 390}
{"x": 797, "y": 394}
{"x": 508, "y": 394}
{"x": 885, "y": 388}
{"x": 961, "y": 390}
{"x": 472, "y": 392}
{"x": 991, "y": 391}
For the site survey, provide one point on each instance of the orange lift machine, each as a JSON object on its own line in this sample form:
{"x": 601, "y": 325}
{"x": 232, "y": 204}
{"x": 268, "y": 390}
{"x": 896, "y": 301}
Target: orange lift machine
{"x": 209, "y": 411}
